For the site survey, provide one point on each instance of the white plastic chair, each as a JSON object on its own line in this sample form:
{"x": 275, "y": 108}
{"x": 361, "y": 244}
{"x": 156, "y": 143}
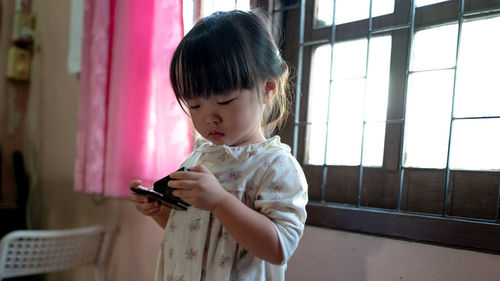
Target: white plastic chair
{"x": 30, "y": 252}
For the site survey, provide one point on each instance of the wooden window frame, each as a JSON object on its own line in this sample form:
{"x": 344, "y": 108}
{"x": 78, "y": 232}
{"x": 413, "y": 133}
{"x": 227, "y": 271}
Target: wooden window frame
{"x": 381, "y": 216}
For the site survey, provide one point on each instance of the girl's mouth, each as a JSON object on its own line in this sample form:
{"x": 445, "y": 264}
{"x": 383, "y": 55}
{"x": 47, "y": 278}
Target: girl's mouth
{"x": 215, "y": 135}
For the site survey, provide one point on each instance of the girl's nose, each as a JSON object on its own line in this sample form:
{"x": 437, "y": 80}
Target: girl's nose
{"x": 212, "y": 119}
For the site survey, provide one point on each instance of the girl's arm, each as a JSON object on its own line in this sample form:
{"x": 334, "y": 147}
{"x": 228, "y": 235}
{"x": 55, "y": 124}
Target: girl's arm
{"x": 252, "y": 230}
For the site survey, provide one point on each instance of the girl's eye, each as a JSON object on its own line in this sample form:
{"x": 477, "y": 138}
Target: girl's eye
{"x": 194, "y": 106}
{"x": 225, "y": 102}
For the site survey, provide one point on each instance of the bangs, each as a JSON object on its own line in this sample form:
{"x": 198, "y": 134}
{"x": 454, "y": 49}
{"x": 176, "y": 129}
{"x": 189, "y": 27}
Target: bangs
{"x": 211, "y": 60}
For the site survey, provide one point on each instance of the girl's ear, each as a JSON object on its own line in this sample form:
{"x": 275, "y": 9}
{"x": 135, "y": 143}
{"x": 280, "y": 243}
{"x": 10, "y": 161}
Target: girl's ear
{"x": 271, "y": 86}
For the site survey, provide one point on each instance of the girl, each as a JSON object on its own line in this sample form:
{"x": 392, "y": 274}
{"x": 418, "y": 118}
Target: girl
{"x": 247, "y": 193}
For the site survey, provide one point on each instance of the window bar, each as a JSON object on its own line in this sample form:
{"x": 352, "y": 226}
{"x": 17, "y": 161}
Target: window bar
{"x": 431, "y": 70}
{"x": 476, "y": 117}
{"x": 298, "y": 85}
{"x": 360, "y": 179}
{"x": 411, "y": 34}
{"x": 285, "y": 8}
{"x": 486, "y": 12}
{"x": 273, "y": 11}
{"x": 325, "y": 156}
{"x": 497, "y": 217}
{"x": 390, "y": 28}
{"x": 316, "y": 42}
{"x": 447, "y": 178}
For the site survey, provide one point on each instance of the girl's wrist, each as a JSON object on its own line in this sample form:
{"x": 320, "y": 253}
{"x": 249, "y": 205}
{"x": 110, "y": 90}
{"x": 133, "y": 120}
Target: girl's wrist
{"x": 224, "y": 200}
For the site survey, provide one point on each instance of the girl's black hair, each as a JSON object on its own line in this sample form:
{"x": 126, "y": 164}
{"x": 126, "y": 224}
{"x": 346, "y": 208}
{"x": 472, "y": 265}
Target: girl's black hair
{"x": 228, "y": 51}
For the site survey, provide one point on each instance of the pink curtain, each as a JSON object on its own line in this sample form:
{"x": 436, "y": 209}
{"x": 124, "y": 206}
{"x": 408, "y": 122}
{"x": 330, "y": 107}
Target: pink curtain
{"x": 130, "y": 126}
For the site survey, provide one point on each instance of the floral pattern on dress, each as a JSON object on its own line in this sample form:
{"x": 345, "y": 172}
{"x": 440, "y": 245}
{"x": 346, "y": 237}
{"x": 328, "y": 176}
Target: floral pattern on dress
{"x": 276, "y": 161}
{"x": 251, "y": 187}
{"x": 228, "y": 176}
{"x": 172, "y": 226}
{"x": 195, "y": 225}
{"x": 222, "y": 235}
{"x": 235, "y": 174}
{"x": 191, "y": 254}
{"x": 223, "y": 157}
{"x": 224, "y": 261}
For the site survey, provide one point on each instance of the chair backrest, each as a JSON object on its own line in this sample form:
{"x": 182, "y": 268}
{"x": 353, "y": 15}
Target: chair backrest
{"x": 29, "y": 252}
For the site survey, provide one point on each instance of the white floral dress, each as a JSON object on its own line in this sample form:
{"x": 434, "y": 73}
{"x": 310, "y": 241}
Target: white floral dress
{"x": 265, "y": 177}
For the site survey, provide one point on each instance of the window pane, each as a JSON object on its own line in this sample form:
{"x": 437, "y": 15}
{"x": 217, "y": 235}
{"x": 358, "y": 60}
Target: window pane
{"x": 324, "y": 13}
{"x": 376, "y": 100}
{"x": 435, "y": 48}
{"x": 349, "y": 59}
{"x": 478, "y": 86}
{"x": 318, "y": 103}
{"x": 243, "y": 5}
{"x": 373, "y": 144}
{"x": 316, "y": 144}
{"x": 210, "y": 6}
{"x": 428, "y": 115}
{"x": 345, "y": 126}
{"x": 349, "y": 11}
{"x": 475, "y": 144}
{"x": 346, "y": 122}
{"x": 188, "y": 15}
{"x": 378, "y": 78}
{"x": 420, "y": 3}
{"x": 382, "y": 7}
{"x": 349, "y": 90}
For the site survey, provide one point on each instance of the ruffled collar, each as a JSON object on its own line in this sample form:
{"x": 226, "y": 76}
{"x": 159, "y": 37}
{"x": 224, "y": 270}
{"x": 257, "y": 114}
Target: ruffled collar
{"x": 238, "y": 152}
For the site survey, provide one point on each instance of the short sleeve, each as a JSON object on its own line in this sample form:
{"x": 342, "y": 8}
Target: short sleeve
{"x": 282, "y": 196}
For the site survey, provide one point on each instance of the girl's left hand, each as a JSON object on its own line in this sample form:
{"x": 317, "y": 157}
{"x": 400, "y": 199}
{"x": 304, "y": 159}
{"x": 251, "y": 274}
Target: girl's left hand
{"x": 198, "y": 187}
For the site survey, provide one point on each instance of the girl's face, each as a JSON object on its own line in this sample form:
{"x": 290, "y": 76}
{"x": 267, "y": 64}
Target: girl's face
{"x": 233, "y": 119}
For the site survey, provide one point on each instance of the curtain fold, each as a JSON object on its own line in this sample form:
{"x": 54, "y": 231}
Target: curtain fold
{"x": 130, "y": 126}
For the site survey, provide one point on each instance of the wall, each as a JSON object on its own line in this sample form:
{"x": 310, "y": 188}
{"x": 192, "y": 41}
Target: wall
{"x": 343, "y": 256}
{"x": 322, "y": 254}
{"x": 51, "y": 130}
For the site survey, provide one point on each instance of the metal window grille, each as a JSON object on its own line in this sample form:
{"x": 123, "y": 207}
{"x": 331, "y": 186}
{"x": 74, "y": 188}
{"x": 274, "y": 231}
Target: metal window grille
{"x": 410, "y": 26}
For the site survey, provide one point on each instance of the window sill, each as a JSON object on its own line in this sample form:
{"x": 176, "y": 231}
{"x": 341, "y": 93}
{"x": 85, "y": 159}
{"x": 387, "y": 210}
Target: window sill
{"x": 444, "y": 231}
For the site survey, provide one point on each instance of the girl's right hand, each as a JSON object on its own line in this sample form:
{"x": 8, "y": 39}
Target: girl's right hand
{"x": 145, "y": 205}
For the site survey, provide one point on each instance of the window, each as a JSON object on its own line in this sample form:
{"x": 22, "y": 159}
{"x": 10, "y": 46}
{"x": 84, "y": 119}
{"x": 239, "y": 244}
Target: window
{"x": 196, "y": 9}
{"x": 397, "y": 123}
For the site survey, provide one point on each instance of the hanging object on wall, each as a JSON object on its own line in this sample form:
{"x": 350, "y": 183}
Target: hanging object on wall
{"x": 18, "y": 64}
{"x": 22, "y": 27}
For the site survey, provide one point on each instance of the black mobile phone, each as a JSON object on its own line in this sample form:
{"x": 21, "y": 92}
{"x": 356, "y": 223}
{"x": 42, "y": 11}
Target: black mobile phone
{"x": 162, "y": 193}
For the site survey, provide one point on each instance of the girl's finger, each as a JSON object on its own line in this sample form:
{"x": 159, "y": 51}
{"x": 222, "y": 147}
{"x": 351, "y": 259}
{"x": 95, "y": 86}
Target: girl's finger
{"x": 137, "y": 198}
{"x": 183, "y": 194}
{"x": 181, "y": 184}
{"x": 150, "y": 207}
{"x": 134, "y": 183}
{"x": 184, "y": 175}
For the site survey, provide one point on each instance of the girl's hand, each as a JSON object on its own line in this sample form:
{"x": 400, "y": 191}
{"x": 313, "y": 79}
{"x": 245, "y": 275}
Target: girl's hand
{"x": 198, "y": 187}
{"x": 145, "y": 205}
